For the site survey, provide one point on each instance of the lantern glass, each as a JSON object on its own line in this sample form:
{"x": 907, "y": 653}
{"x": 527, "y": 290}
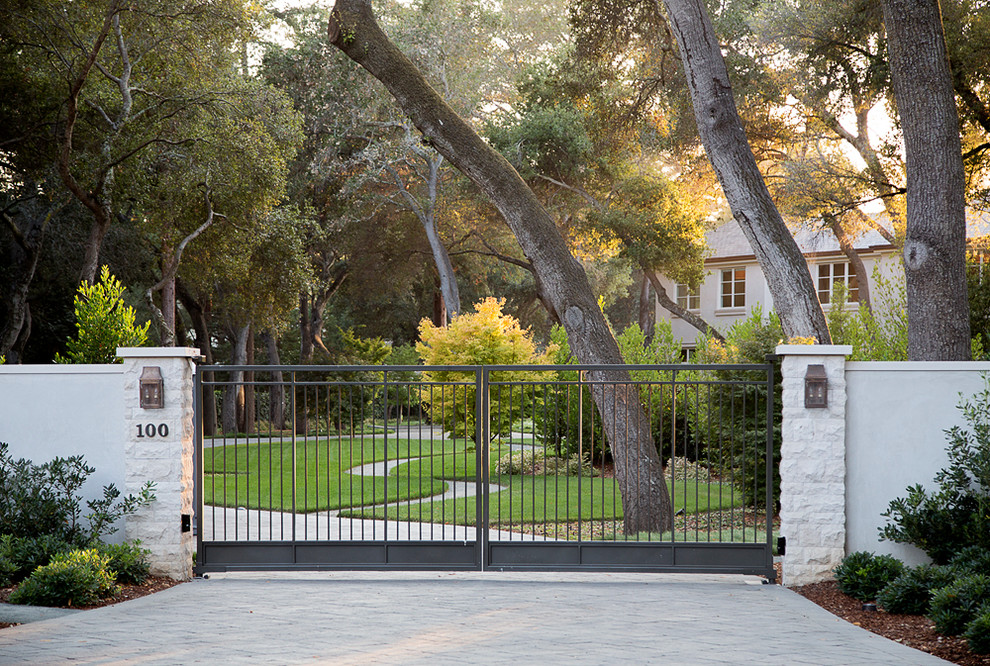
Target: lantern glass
{"x": 152, "y": 387}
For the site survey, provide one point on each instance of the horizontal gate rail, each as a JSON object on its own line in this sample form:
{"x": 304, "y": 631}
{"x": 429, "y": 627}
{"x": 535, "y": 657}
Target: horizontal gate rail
{"x": 496, "y": 467}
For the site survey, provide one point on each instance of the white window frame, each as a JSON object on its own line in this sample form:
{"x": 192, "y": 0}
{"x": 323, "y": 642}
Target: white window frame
{"x": 737, "y": 294}
{"x": 826, "y": 278}
{"x": 686, "y": 297}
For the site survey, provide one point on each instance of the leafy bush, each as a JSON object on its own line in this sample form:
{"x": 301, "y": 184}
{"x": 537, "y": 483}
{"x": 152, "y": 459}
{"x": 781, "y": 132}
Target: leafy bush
{"x": 39, "y": 500}
{"x": 19, "y": 556}
{"x": 484, "y": 337}
{"x": 538, "y": 463}
{"x": 103, "y": 323}
{"x": 972, "y": 559}
{"x": 977, "y": 632}
{"x": 956, "y": 605}
{"x": 79, "y": 578}
{"x": 957, "y": 515}
{"x": 128, "y": 561}
{"x": 749, "y": 340}
{"x": 863, "y": 575}
{"x": 911, "y": 592}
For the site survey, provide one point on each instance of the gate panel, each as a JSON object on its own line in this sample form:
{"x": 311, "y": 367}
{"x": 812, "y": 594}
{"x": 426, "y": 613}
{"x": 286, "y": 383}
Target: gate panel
{"x": 496, "y": 467}
{"x": 570, "y": 464}
{"x": 334, "y": 467}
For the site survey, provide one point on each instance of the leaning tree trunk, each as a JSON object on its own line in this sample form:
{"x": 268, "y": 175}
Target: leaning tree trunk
{"x": 935, "y": 242}
{"x": 202, "y": 328}
{"x": 233, "y": 393}
{"x": 647, "y": 309}
{"x": 645, "y": 500}
{"x": 276, "y": 401}
{"x": 722, "y": 133}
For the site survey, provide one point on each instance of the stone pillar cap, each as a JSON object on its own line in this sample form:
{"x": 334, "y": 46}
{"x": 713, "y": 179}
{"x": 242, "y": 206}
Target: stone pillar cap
{"x": 158, "y": 352}
{"x": 814, "y": 350}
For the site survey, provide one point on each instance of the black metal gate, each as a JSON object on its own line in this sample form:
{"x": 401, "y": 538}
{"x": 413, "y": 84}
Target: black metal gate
{"x": 486, "y": 467}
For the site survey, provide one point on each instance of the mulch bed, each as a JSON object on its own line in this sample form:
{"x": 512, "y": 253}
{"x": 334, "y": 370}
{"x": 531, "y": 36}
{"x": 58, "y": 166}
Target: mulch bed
{"x": 127, "y": 592}
{"x": 912, "y": 630}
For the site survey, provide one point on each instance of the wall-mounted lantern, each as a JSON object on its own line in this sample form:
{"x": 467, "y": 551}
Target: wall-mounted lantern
{"x": 152, "y": 388}
{"x": 815, "y": 387}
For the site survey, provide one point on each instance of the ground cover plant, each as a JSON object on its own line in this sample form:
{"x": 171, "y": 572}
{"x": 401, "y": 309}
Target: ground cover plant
{"x": 51, "y": 551}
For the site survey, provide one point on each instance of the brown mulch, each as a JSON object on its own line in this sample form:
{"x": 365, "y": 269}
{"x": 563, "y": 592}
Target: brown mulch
{"x": 127, "y": 592}
{"x": 912, "y": 630}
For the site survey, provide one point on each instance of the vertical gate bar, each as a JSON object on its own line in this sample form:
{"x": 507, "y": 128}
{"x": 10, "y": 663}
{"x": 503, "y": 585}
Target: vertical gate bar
{"x": 483, "y": 439}
{"x": 769, "y": 506}
{"x": 659, "y": 442}
{"x": 532, "y": 419}
{"x": 237, "y": 477}
{"x": 432, "y": 458}
{"x": 294, "y": 470}
{"x": 198, "y": 489}
{"x": 673, "y": 455}
{"x": 697, "y": 489}
{"x": 340, "y": 472}
{"x": 708, "y": 462}
{"x": 580, "y": 429}
{"x": 625, "y": 452}
{"x": 396, "y": 438}
{"x": 226, "y": 504}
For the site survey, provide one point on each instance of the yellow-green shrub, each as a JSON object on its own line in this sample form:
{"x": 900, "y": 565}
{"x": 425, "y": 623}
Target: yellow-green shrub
{"x": 484, "y": 337}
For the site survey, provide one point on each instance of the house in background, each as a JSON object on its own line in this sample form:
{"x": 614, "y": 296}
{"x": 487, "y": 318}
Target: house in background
{"x": 734, "y": 282}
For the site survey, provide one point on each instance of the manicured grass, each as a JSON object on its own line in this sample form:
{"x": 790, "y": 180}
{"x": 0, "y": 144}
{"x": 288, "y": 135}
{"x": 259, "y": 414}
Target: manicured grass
{"x": 539, "y": 499}
{"x": 259, "y": 475}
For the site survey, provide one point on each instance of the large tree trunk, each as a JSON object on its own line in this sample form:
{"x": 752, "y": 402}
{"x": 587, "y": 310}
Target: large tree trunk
{"x": 276, "y": 402}
{"x": 645, "y": 500}
{"x": 935, "y": 242}
{"x": 855, "y": 261}
{"x": 670, "y": 305}
{"x": 202, "y": 328}
{"x": 647, "y": 308}
{"x": 30, "y": 241}
{"x": 233, "y": 393}
{"x": 722, "y": 133}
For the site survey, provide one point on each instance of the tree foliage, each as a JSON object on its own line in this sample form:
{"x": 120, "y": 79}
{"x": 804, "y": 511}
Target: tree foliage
{"x": 103, "y": 323}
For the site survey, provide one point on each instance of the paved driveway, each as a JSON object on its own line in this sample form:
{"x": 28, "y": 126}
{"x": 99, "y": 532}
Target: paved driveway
{"x": 457, "y": 618}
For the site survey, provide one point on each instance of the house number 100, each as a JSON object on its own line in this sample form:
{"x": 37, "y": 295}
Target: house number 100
{"x": 151, "y": 430}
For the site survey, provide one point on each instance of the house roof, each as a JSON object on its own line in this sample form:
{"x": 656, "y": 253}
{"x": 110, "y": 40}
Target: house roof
{"x": 727, "y": 241}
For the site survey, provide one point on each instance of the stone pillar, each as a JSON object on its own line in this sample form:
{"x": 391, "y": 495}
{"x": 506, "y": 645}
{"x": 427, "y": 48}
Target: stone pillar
{"x": 158, "y": 447}
{"x": 812, "y": 465}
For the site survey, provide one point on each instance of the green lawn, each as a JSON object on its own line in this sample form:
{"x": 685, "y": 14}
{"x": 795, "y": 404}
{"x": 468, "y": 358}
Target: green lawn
{"x": 259, "y": 475}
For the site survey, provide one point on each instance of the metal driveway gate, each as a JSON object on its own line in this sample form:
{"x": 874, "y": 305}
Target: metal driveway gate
{"x": 485, "y": 467}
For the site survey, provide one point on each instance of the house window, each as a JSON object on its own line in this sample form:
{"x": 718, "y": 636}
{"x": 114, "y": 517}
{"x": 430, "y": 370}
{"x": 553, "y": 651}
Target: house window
{"x": 830, "y": 275}
{"x": 688, "y": 298}
{"x": 734, "y": 287}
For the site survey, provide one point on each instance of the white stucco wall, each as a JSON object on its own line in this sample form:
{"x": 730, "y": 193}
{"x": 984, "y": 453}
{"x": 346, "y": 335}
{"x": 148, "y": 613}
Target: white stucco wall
{"x": 64, "y": 410}
{"x": 896, "y": 416}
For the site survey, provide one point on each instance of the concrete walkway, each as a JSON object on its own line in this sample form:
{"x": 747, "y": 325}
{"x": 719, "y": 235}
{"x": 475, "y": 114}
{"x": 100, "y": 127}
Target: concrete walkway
{"x": 462, "y": 618}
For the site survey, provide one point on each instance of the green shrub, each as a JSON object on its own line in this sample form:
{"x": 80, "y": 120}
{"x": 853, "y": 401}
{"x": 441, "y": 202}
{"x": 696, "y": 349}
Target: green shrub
{"x": 748, "y": 341}
{"x": 972, "y": 559}
{"x": 128, "y": 560}
{"x": 19, "y": 556}
{"x": 911, "y": 592}
{"x": 103, "y": 323}
{"x": 957, "y": 515}
{"x": 79, "y": 578}
{"x": 956, "y": 605}
{"x": 40, "y": 500}
{"x": 484, "y": 337}
{"x": 977, "y": 632}
{"x": 863, "y": 575}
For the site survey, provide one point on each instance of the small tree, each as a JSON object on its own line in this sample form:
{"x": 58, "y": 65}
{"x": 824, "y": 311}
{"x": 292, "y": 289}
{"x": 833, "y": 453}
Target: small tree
{"x": 484, "y": 337}
{"x": 103, "y": 323}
